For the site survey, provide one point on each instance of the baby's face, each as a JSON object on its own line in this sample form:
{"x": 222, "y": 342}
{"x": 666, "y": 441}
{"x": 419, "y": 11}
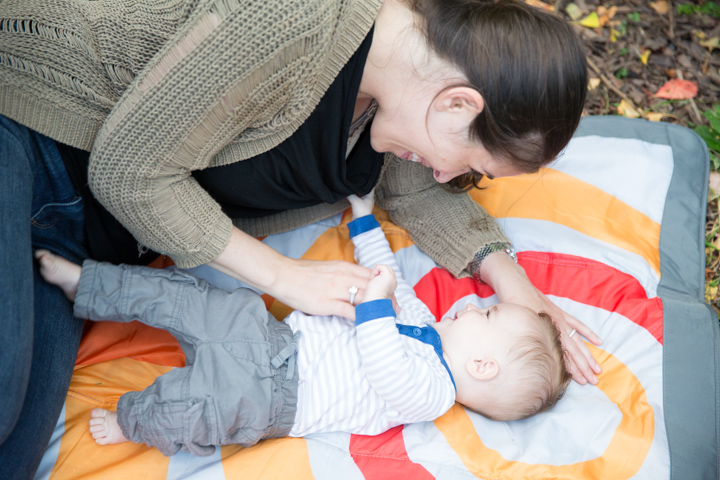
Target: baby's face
{"x": 487, "y": 330}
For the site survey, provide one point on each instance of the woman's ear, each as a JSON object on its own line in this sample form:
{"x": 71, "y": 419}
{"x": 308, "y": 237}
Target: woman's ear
{"x": 461, "y": 100}
{"x": 482, "y": 369}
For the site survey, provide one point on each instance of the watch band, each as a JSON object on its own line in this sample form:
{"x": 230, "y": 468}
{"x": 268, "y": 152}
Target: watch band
{"x": 474, "y": 265}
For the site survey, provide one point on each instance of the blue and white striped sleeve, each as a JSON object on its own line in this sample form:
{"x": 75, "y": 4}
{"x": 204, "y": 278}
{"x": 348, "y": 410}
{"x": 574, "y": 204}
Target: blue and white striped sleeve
{"x": 404, "y": 379}
{"x": 372, "y": 248}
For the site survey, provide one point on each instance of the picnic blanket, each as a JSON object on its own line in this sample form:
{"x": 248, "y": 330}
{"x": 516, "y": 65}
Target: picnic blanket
{"x": 613, "y": 232}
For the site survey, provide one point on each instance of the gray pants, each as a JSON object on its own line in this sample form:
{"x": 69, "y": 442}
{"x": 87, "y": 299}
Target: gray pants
{"x": 240, "y": 382}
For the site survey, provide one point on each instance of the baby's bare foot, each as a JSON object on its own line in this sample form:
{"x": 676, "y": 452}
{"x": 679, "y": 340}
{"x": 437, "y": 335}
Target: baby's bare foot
{"x": 104, "y": 427}
{"x": 59, "y": 271}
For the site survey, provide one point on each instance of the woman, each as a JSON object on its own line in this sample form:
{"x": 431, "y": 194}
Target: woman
{"x": 196, "y": 112}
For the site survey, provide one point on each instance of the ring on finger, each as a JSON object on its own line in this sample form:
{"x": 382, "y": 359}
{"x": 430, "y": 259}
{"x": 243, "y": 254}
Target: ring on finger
{"x": 352, "y": 291}
{"x": 570, "y": 335}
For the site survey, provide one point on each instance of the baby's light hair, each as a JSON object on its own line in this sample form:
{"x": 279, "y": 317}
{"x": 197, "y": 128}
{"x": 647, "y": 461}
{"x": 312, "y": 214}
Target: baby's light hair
{"x": 533, "y": 376}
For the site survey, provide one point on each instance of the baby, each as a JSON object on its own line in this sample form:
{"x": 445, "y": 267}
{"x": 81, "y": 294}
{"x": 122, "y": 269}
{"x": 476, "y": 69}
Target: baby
{"x": 250, "y": 377}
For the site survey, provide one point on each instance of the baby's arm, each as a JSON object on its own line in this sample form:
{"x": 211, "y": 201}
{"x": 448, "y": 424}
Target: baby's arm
{"x": 418, "y": 387}
{"x": 372, "y": 248}
{"x": 405, "y": 380}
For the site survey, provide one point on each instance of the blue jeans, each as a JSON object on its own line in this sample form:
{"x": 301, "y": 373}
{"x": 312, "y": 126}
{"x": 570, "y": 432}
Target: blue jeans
{"x": 39, "y": 336}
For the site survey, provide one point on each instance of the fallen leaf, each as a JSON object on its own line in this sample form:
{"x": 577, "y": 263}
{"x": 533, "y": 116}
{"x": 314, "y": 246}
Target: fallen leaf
{"x": 677, "y": 89}
{"x": 593, "y": 83}
{"x": 573, "y": 11}
{"x": 661, "y": 8}
{"x": 715, "y": 182}
{"x": 710, "y": 43}
{"x": 605, "y": 14}
{"x": 645, "y": 55}
{"x": 654, "y": 116}
{"x": 591, "y": 21}
{"x": 626, "y": 110}
{"x": 711, "y": 292}
{"x": 542, "y": 5}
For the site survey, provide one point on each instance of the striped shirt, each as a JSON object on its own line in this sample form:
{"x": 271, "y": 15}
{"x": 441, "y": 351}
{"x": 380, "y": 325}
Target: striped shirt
{"x": 367, "y": 376}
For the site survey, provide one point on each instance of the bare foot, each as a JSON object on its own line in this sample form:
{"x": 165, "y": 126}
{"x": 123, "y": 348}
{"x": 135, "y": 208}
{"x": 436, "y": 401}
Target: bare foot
{"x": 104, "y": 427}
{"x": 59, "y": 271}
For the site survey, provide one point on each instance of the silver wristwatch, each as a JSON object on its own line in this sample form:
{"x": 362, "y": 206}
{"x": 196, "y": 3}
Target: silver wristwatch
{"x": 474, "y": 265}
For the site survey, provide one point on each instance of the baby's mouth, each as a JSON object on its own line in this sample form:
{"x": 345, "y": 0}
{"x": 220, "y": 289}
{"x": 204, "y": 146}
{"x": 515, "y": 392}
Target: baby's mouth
{"x": 414, "y": 157}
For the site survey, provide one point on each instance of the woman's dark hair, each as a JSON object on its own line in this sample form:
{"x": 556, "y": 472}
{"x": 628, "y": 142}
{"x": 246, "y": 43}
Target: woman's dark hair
{"x": 529, "y": 66}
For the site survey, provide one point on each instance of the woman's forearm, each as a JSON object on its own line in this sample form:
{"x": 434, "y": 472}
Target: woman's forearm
{"x": 449, "y": 227}
{"x": 509, "y": 280}
{"x": 249, "y": 260}
{"x": 314, "y": 287}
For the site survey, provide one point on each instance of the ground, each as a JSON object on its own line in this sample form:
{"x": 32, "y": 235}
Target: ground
{"x": 634, "y": 48}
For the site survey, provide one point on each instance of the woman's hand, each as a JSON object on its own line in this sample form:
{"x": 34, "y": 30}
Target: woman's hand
{"x": 313, "y": 287}
{"x": 511, "y": 284}
{"x": 321, "y": 287}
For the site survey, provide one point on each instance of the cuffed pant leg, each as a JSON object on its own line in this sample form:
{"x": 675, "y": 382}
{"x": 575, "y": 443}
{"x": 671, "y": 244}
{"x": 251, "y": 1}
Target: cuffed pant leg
{"x": 162, "y": 416}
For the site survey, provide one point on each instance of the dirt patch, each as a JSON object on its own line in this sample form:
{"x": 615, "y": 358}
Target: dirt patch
{"x": 634, "y": 48}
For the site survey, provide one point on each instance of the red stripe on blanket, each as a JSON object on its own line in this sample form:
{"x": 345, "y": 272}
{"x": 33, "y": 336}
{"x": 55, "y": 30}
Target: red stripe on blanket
{"x": 577, "y": 278}
{"x": 383, "y": 457}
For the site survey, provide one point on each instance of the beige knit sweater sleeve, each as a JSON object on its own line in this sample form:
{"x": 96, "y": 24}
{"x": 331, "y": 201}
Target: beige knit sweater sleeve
{"x": 237, "y": 80}
{"x": 449, "y": 227}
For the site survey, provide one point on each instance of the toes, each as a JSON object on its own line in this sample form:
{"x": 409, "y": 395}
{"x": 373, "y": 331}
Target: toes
{"x": 99, "y": 413}
{"x": 45, "y": 257}
{"x": 98, "y": 432}
{"x": 96, "y": 421}
{"x": 96, "y": 428}
{"x": 41, "y": 253}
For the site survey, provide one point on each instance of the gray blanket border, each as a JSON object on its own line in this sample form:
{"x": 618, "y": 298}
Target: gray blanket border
{"x": 691, "y": 334}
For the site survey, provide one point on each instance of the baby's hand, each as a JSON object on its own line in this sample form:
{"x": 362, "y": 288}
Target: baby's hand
{"x": 362, "y": 206}
{"x": 382, "y": 283}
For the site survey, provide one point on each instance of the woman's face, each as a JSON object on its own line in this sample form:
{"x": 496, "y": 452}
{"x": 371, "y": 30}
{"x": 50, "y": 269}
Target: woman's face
{"x": 437, "y": 138}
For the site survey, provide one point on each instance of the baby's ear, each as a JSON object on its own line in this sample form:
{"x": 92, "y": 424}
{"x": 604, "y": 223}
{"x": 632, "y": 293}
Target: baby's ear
{"x": 482, "y": 369}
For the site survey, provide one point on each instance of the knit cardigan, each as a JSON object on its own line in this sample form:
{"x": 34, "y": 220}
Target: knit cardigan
{"x": 158, "y": 89}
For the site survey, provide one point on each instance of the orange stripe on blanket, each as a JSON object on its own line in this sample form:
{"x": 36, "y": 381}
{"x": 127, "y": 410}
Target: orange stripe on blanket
{"x": 560, "y": 198}
{"x": 103, "y": 341}
{"x": 278, "y": 458}
{"x": 620, "y": 461}
{"x": 101, "y": 385}
{"x": 384, "y": 456}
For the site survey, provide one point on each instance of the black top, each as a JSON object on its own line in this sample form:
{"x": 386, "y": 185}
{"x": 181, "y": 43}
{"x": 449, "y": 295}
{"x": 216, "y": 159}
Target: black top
{"x": 306, "y": 169}
{"x": 309, "y": 167}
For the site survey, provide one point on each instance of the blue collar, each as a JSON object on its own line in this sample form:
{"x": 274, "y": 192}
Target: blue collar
{"x": 429, "y": 336}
